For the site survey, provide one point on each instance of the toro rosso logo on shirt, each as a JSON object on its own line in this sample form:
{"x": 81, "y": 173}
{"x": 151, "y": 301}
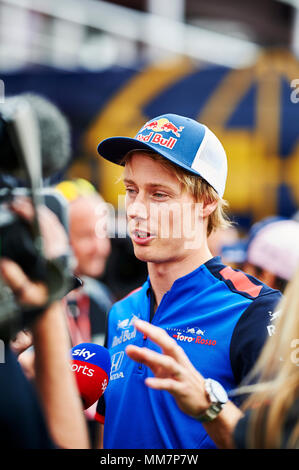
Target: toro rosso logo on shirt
{"x": 193, "y": 335}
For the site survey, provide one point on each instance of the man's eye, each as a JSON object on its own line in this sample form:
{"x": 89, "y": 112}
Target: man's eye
{"x": 130, "y": 190}
{"x": 159, "y": 195}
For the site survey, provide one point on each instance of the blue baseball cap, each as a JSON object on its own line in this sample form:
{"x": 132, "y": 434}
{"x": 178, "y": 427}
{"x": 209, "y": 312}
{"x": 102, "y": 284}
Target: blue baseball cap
{"x": 181, "y": 140}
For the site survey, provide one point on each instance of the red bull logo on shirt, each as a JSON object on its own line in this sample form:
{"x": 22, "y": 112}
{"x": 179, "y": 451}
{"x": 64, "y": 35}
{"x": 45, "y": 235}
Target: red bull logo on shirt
{"x": 155, "y": 136}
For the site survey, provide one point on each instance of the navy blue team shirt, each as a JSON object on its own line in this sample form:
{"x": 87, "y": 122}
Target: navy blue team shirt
{"x": 220, "y": 316}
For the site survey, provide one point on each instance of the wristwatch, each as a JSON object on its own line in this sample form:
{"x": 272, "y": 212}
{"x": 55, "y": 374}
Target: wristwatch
{"x": 217, "y": 396}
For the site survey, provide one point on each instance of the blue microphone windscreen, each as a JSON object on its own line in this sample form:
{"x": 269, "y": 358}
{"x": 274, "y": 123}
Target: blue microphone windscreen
{"x": 92, "y": 354}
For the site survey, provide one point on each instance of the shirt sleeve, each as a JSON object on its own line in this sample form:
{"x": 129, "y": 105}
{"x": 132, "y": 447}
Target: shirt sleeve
{"x": 251, "y": 332}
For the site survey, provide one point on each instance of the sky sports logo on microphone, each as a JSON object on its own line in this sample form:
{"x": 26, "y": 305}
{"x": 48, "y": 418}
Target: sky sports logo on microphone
{"x": 84, "y": 354}
{"x": 91, "y": 365}
{"x": 83, "y": 369}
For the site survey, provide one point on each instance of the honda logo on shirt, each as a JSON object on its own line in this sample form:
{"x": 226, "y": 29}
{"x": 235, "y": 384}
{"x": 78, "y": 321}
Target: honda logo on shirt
{"x": 116, "y": 361}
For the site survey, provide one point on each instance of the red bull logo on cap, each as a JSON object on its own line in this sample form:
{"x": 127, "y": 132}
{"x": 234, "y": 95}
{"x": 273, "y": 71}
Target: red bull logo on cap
{"x": 157, "y": 126}
{"x": 163, "y": 125}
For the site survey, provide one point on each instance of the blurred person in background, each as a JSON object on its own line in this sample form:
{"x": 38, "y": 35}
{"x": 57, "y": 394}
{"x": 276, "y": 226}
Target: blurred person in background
{"x": 273, "y": 254}
{"x": 87, "y": 306}
{"x": 268, "y": 419}
{"x": 270, "y": 252}
{"x": 223, "y": 237}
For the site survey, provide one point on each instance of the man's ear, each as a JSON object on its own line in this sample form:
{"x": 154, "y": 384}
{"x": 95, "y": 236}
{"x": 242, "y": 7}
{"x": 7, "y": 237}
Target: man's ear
{"x": 208, "y": 208}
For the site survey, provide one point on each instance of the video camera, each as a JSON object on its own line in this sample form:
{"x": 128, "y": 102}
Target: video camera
{"x": 35, "y": 144}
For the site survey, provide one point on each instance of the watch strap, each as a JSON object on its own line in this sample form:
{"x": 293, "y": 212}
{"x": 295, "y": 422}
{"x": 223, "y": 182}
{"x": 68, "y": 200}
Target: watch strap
{"x": 210, "y": 414}
{"x": 215, "y": 407}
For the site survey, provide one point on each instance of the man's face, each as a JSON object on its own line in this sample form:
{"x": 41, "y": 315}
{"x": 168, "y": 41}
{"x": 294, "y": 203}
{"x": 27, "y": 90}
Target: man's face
{"x": 88, "y": 236}
{"x": 164, "y": 221}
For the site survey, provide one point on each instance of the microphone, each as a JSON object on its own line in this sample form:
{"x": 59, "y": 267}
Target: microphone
{"x": 91, "y": 365}
{"x": 19, "y": 116}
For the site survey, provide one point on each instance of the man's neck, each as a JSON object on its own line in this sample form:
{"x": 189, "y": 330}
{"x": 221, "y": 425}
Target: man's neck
{"x": 163, "y": 275}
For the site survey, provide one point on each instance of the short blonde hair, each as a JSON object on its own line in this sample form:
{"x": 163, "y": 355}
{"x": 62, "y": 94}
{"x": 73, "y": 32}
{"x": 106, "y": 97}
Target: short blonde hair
{"x": 200, "y": 189}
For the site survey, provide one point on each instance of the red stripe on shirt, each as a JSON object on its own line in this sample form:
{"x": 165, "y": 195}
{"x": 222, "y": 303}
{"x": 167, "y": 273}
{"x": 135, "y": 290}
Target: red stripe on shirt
{"x": 240, "y": 281}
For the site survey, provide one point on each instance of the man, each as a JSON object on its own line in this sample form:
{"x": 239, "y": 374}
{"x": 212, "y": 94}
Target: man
{"x": 175, "y": 174}
{"x": 87, "y": 306}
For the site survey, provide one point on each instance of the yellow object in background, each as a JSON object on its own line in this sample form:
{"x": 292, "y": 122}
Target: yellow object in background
{"x": 73, "y": 189}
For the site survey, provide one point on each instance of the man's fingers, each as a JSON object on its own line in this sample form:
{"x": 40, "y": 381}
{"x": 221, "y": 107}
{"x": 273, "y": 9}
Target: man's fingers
{"x": 23, "y": 207}
{"x": 12, "y": 274}
{"x": 55, "y": 240}
{"x": 160, "y": 364}
{"x": 22, "y": 342}
{"x": 143, "y": 355}
{"x": 157, "y": 383}
{"x": 160, "y": 337}
{"x": 26, "y": 291}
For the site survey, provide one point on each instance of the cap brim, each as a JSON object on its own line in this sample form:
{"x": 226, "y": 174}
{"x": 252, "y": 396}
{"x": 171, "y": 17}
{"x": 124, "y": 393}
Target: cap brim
{"x": 114, "y": 150}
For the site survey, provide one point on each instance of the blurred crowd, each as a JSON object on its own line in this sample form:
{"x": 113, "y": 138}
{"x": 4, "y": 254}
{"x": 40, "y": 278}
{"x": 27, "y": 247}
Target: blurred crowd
{"x": 268, "y": 251}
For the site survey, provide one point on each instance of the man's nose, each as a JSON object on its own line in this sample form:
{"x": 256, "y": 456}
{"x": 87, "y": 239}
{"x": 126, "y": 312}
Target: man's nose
{"x": 137, "y": 208}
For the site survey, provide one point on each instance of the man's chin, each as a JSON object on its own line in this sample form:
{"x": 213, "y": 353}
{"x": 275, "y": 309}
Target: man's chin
{"x": 143, "y": 253}
{"x": 140, "y": 254}
{"x": 147, "y": 255}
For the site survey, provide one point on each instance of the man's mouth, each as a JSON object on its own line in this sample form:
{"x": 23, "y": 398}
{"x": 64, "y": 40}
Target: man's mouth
{"x": 141, "y": 236}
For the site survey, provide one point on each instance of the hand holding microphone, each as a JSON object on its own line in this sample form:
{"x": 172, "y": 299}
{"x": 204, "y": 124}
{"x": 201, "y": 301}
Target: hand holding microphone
{"x": 91, "y": 365}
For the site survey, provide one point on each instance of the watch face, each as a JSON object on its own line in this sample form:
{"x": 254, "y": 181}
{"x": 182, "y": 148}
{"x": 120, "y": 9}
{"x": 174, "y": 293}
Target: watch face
{"x": 218, "y": 391}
